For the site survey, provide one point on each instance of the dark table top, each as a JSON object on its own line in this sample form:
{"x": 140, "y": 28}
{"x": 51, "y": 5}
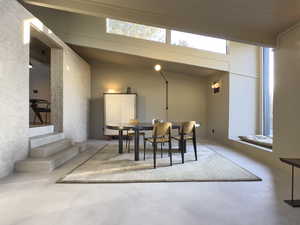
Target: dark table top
{"x": 141, "y": 126}
{"x": 293, "y": 162}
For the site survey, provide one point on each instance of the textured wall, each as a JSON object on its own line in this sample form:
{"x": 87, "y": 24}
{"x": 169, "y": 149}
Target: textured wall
{"x": 14, "y": 86}
{"x": 76, "y": 96}
{"x": 187, "y": 94}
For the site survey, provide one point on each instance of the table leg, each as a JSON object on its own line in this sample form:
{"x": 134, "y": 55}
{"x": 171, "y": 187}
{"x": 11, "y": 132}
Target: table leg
{"x": 120, "y": 141}
{"x": 292, "y": 202}
{"x": 292, "y": 193}
{"x": 137, "y": 145}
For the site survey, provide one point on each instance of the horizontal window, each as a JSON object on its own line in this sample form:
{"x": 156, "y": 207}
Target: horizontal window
{"x": 135, "y": 30}
{"x": 198, "y": 41}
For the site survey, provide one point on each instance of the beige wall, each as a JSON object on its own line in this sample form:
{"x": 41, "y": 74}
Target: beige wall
{"x": 244, "y": 90}
{"x": 286, "y": 95}
{"x": 218, "y": 108}
{"x": 14, "y": 86}
{"x": 235, "y": 110}
{"x": 187, "y": 98}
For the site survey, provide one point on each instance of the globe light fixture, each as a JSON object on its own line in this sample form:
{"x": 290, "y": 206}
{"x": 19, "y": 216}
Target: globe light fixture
{"x": 157, "y": 67}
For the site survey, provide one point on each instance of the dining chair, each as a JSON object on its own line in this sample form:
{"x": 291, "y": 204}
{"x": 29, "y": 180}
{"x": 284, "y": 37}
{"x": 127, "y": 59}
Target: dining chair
{"x": 187, "y": 132}
{"x": 130, "y": 133}
{"x": 161, "y": 133}
{"x": 40, "y": 106}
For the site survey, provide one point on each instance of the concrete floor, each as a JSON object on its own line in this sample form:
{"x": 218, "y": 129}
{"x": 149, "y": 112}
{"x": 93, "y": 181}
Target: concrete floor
{"x": 36, "y": 199}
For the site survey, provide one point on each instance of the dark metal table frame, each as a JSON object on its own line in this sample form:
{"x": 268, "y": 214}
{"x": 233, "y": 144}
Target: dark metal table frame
{"x": 137, "y": 129}
{"x": 294, "y": 163}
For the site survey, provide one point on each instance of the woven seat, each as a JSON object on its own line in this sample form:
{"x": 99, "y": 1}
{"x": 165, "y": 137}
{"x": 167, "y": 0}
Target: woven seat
{"x": 158, "y": 140}
{"x": 187, "y": 132}
{"x": 185, "y": 137}
{"x": 161, "y": 133}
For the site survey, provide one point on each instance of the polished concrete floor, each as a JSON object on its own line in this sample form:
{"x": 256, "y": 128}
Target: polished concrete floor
{"x": 37, "y": 200}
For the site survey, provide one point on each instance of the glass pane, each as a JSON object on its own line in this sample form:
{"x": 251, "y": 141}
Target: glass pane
{"x": 271, "y": 88}
{"x": 268, "y": 91}
{"x": 135, "y": 30}
{"x": 198, "y": 41}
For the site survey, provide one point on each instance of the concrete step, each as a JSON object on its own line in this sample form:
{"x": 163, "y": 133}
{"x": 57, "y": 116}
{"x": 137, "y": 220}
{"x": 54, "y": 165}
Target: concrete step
{"x": 45, "y": 139}
{"x": 50, "y": 149}
{"x": 47, "y": 164}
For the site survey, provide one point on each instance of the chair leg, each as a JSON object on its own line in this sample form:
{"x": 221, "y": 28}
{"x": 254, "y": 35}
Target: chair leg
{"x": 170, "y": 153}
{"x": 182, "y": 151}
{"x": 144, "y": 149}
{"x": 129, "y": 140}
{"x": 195, "y": 148}
{"x": 154, "y": 155}
{"x": 161, "y": 150}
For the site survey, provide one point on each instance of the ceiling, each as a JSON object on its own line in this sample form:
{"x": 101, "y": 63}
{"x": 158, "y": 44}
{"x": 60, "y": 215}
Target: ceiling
{"x": 103, "y": 56}
{"x": 254, "y": 21}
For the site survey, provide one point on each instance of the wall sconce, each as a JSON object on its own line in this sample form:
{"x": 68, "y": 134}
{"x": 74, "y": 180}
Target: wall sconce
{"x": 216, "y": 87}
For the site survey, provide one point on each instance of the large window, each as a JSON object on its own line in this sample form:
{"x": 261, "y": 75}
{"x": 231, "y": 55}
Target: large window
{"x": 198, "y": 42}
{"x": 268, "y": 90}
{"x": 135, "y": 30}
{"x": 160, "y": 35}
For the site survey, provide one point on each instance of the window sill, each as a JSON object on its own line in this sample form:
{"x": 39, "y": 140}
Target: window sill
{"x": 256, "y": 147}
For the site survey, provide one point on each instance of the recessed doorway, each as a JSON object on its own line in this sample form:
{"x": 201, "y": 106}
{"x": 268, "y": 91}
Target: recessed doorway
{"x": 46, "y": 83}
{"x": 39, "y": 83}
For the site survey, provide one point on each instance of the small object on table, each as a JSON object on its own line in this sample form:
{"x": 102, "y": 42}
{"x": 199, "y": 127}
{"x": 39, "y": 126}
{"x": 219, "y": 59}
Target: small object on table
{"x": 293, "y": 163}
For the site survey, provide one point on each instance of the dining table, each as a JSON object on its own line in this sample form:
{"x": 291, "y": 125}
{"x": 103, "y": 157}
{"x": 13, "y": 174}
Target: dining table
{"x": 144, "y": 126}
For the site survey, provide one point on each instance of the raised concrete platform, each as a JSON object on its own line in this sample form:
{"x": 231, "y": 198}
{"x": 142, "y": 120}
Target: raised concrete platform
{"x": 40, "y": 130}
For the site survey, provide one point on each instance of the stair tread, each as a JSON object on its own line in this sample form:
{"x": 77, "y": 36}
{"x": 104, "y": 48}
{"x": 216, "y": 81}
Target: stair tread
{"x": 53, "y": 143}
{"x": 45, "y": 135}
{"x": 52, "y": 157}
{"x": 49, "y": 163}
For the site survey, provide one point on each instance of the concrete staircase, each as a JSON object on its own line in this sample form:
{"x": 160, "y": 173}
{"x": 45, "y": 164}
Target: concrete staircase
{"x": 47, "y": 152}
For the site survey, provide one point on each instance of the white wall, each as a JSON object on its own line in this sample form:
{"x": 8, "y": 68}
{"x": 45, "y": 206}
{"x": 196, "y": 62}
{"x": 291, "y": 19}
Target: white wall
{"x": 187, "y": 94}
{"x": 14, "y": 86}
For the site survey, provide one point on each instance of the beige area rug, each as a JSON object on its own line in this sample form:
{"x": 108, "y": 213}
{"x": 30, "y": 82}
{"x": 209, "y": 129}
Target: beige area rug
{"x": 108, "y": 166}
